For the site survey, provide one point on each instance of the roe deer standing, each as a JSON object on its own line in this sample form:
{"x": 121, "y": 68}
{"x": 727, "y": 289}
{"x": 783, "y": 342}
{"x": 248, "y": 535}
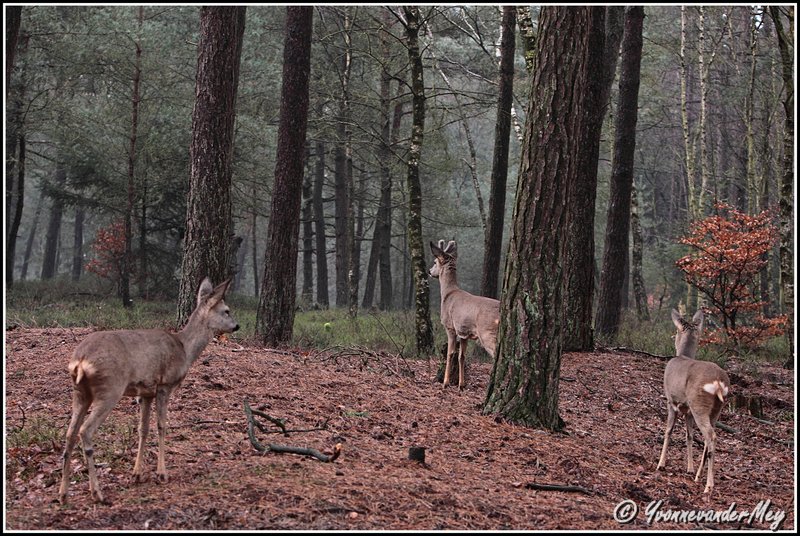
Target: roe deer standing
{"x": 148, "y": 363}
{"x": 695, "y": 388}
{"x": 464, "y": 315}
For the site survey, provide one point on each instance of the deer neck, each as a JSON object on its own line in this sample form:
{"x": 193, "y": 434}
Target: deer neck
{"x": 447, "y": 281}
{"x": 194, "y": 337}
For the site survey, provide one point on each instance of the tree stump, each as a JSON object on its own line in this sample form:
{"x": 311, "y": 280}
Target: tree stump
{"x": 751, "y": 403}
{"x": 416, "y": 454}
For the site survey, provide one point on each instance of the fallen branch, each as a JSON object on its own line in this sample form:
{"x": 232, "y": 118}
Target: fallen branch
{"x": 632, "y": 351}
{"x": 725, "y": 427}
{"x": 557, "y": 487}
{"x": 252, "y": 423}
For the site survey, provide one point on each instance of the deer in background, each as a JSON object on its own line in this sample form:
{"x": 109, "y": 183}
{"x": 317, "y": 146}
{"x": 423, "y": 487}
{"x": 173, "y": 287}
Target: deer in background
{"x": 147, "y": 363}
{"x": 695, "y": 388}
{"x": 464, "y": 315}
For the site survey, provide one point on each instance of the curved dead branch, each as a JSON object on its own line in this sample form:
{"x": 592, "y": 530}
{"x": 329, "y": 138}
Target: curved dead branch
{"x": 252, "y": 423}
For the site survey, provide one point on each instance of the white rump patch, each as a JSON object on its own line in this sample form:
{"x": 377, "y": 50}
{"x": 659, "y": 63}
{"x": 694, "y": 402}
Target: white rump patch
{"x": 715, "y": 386}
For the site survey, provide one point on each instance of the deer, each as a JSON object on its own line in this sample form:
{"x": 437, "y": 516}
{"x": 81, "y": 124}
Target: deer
{"x": 147, "y": 363}
{"x": 697, "y": 389}
{"x": 464, "y": 315}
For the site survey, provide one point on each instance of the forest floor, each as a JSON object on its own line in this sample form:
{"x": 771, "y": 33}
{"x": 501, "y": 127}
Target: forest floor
{"x": 477, "y": 472}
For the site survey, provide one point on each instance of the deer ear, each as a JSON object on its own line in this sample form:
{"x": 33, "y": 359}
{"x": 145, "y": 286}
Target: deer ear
{"x": 206, "y": 288}
{"x": 698, "y": 319}
{"x": 676, "y": 319}
{"x": 219, "y": 292}
{"x": 451, "y": 249}
{"x": 436, "y": 250}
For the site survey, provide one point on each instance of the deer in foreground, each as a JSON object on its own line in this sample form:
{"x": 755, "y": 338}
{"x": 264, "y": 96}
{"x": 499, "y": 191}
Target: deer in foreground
{"x": 464, "y": 315}
{"x": 147, "y": 363}
{"x": 695, "y": 388}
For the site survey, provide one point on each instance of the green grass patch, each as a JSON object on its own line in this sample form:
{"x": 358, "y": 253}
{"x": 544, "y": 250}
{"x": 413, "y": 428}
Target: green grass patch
{"x": 63, "y": 303}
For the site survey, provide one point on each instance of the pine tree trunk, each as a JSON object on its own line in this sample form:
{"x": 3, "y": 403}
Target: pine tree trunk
{"x": 77, "y": 244}
{"x": 275, "y": 315}
{"x": 523, "y": 387}
{"x": 787, "y": 178}
{"x": 343, "y": 176}
{"x": 639, "y": 292}
{"x": 423, "y": 328}
{"x": 127, "y": 259}
{"x": 615, "y": 254}
{"x": 308, "y": 233}
{"x": 382, "y": 234}
{"x": 19, "y": 197}
{"x": 50, "y": 259}
{"x": 579, "y": 293}
{"x": 209, "y": 224}
{"x": 26, "y": 257}
{"x": 493, "y": 239}
{"x": 13, "y": 20}
{"x": 254, "y": 244}
{"x": 319, "y": 227}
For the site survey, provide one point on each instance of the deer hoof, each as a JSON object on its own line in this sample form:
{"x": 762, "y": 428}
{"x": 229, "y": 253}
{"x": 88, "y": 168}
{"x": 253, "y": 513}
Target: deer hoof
{"x": 99, "y": 498}
{"x": 140, "y": 478}
{"x": 163, "y": 478}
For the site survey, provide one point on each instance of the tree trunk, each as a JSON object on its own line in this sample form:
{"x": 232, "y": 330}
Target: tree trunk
{"x": 144, "y": 275}
{"x": 354, "y": 274}
{"x": 77, "y": 244}
{"x": 787, "y": 178}
{"x": 209, "y": 224}
{"x": 527, "y": 35}
{"x": 523, "y": 387}
{"x": 254, "y": 244}
{"x": 639, "y": 291}
{"x": 275, "y": 315}
{"x": 385, "y": 262}
{"x": 423, "y": 328}
{"x": 319, "y": 227}
{"x": 343, "y": 176}
{"x": 13, "y": 20}
{"x": 579, "y": 292}
{"x": 493, "y": 239}
{"x": 127, "y": 258}
{"x": 31, "y": 236}
{"x": 50, "y": 259}
{"x": 19, "y": 198}
{"x": 308, "y": 233}
{"x": 615, "y": 254}
{"x": 382, "y": 235}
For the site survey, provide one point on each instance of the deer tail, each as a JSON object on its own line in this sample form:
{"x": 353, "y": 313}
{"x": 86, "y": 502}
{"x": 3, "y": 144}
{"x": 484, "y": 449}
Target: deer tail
{"x": 76, "y": 370}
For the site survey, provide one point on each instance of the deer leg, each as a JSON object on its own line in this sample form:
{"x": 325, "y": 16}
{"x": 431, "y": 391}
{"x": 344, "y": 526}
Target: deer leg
{"x": 662, "y": 462}
{"x": 451, "y": 344}
{"x": 100, "y": 411}
{"x": 162, "y": 397}
{"x": 80, "y": 405}
{"x": 689, "y": 436}
{"x": 144, "y": 428}
{"x": 710, "y": 438}
{"x": 462, "y": 358}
